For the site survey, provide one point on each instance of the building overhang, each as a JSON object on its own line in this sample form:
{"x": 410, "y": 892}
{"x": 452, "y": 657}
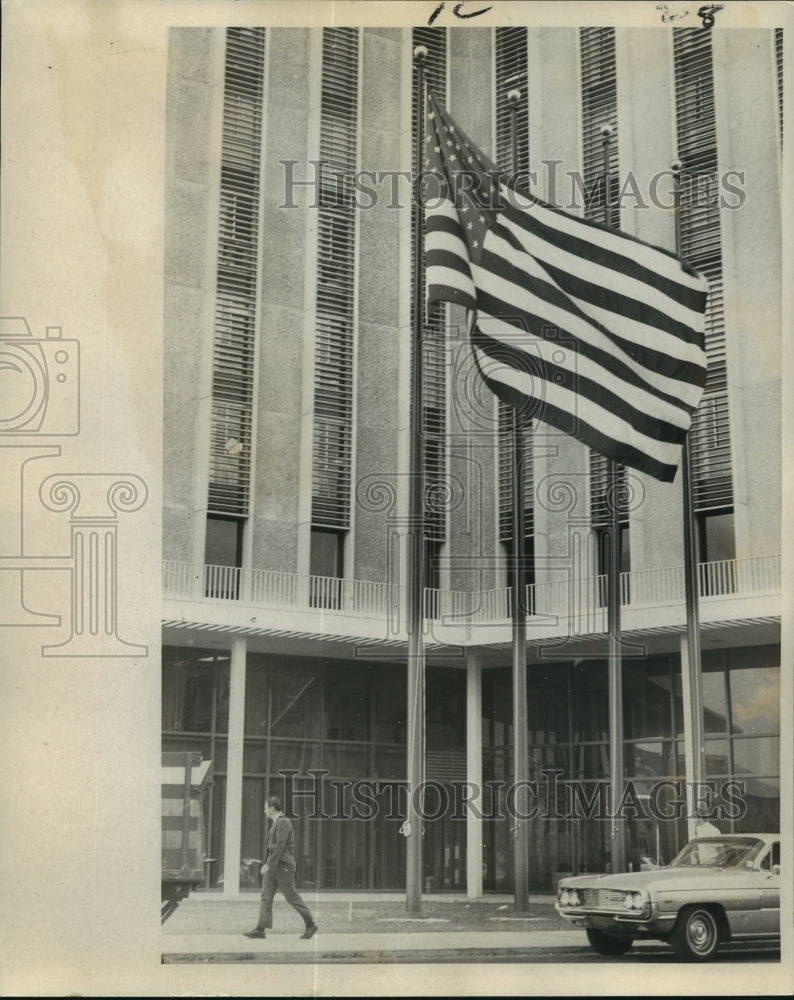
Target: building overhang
{"x": 637, "y": 643}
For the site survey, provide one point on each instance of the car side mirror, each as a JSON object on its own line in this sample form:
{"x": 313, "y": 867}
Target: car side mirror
{"x": 775, "y": 870}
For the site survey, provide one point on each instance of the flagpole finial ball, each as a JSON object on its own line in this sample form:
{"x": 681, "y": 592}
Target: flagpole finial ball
{"x": 676, "y": 166}
{"x": 514, "y": 96}
{"x": 420, "y": 54}
{"x": 606, "y": 130}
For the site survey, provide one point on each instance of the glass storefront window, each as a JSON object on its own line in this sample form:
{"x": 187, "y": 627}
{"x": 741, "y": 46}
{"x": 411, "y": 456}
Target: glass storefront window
{"x": 253, "y": 837}
{"x": 550, "y": 757}
{"x": 547, "y": 703}
{"x": 591, "y": 761}
{"x": 296, "y": 707}
{"x": 445, "y": 697}
{"x": 755, "y": 700}
{"x": 389, "y": 763}
{"x": 347, "y": 697}
{"x": 294, "y": 755}
{"x": 346, "y": 761}
{"x": 717, "y": 755}
{"x": 762, "y": 806}
{"x": 195, "y": 691}
{"x": 756, "y": 756}
{"x": 497, "y": 711}
{"x": 647, "y": 702}
{"x": 256, "y": 697}
{"x": 590, "y": 704}
{"x": 715, "y": 694}
{"x": 391, "y": 713}
{"x": 647, "y": 763}
{"x": 255, "y": 757}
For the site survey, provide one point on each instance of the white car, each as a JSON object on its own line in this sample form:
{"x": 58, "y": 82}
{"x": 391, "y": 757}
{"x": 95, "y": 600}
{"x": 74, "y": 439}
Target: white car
{"x": 718, "y": 889}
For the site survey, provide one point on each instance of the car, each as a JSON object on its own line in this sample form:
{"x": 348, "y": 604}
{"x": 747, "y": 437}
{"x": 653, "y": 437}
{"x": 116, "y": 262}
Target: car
{"x": 717, "y": 889}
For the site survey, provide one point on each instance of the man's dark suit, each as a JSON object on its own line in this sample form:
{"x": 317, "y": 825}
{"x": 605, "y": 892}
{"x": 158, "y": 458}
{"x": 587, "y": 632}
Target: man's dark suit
{"x": 280, "y": 873}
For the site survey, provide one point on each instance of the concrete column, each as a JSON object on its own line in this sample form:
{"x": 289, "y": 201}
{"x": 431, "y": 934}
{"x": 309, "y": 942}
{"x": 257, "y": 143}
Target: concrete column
{"x": 193, "y": 157}
{"x": 646, "y": 148}
{"x": 474, "y": 774}
{"x": 750, "y": 219}
{"x": 288, "y": 228}
{"x": 233, "y": 820}
{"x": 380, "y": 443}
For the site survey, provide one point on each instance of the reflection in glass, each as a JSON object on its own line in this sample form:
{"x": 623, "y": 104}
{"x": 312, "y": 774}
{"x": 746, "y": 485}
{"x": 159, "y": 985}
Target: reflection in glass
{"x": 298, "y": 755}
{"x": 345, "y": 761}
{"x": 589, "y": 687}
{"x": 717, "y": 756}
{"x": 757, "y": 756}
{"x": 647, "y": 705}
{"x": 650, "y": 761}
{"x": 715, "y": 702}
{"x": 296, "y": 703}
{"x": 755, "y": 700}
{"x": 347, "y": 691}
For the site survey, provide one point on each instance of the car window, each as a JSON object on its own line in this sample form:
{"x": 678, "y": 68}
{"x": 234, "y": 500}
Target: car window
{"x": 771, "y": 858}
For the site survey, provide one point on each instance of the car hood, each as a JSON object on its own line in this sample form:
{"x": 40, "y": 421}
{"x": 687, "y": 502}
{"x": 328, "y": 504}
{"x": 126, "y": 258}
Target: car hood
{"x": 658, "y": 878}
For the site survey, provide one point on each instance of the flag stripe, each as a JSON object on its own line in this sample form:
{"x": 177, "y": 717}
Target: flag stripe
{"x": 593, "y": 380}
{"x": 666, "y": 389}
{"x": 564, "y": 407}
{"x": 621, "y": 253}
{"x": 601, "y": 332}
{"x": 527, "y": 274}
{"x": 501, "y": 297}
{"x": 604, "y": 289}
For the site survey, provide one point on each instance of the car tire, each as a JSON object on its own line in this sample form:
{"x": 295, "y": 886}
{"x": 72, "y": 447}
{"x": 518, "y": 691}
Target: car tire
{"x": 609, "y": 944}
{"x": 696, "y": 935}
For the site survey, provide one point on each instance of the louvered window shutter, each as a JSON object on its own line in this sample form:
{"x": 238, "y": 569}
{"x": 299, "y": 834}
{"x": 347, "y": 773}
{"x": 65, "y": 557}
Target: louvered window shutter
{"x": 600, "y": 508}
{"x": 710, "y": 444}
{"x": 599, "y": 107}
{"x": 511, "y": 74}
{"x": 235, "y": 304}
{"x": 434, "y": 394}
{"x": 336, "y": 261}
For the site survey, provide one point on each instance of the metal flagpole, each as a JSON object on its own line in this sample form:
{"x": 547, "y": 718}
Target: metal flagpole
{"x": 617, "y": 838}
{"x": 415, "y": 570}
{"x": 691, "y": 587}
{"x": 518, "y": 612}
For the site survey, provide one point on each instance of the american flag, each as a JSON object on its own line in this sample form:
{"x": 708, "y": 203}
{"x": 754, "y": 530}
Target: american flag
{"x": 595, "y": 332}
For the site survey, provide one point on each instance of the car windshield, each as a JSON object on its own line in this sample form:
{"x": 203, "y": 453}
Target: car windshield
{"x": 717, "y": 852}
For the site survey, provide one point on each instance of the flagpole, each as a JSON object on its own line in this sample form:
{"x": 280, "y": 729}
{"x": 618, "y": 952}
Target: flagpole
{"x": 518, "y": 613}
{"x": 415, "y": 576}
{"x": 617, "y": 840}
{"x": 691, "y": 583}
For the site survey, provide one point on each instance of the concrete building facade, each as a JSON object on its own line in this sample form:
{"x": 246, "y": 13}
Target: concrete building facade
{"x": 289, "y": 282}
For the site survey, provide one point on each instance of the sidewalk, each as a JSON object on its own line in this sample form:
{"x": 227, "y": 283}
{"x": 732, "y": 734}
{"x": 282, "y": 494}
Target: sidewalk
{"x": 368, "y": 927}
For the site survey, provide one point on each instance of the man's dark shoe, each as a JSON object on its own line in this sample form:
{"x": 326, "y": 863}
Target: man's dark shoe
{"x": 310, "y": 931}
{"x": 254, "y": 933}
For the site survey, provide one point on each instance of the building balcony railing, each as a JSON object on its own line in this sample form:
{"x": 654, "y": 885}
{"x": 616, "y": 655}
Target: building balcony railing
{"x": 583, "y": 598}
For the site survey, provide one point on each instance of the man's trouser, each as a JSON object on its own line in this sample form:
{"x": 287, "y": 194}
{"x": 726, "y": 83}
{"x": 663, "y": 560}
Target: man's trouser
{"x": 280, "y": 878}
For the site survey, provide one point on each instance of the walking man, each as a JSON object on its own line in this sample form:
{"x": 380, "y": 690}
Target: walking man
{"x": 278, "y": 872}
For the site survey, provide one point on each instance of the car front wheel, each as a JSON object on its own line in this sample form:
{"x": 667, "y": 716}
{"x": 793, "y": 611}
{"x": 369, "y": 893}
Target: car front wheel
{"x": 608, "y": 944}
{"x": 696, "y": 936}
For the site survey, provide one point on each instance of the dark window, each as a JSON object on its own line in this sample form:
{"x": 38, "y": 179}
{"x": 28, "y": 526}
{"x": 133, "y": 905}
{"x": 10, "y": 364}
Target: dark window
{"x": 346, "y": 702}
{"x": 717, "y": 546}
{"x": 326, "y": 568}
{"x": 223, "y": 557}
